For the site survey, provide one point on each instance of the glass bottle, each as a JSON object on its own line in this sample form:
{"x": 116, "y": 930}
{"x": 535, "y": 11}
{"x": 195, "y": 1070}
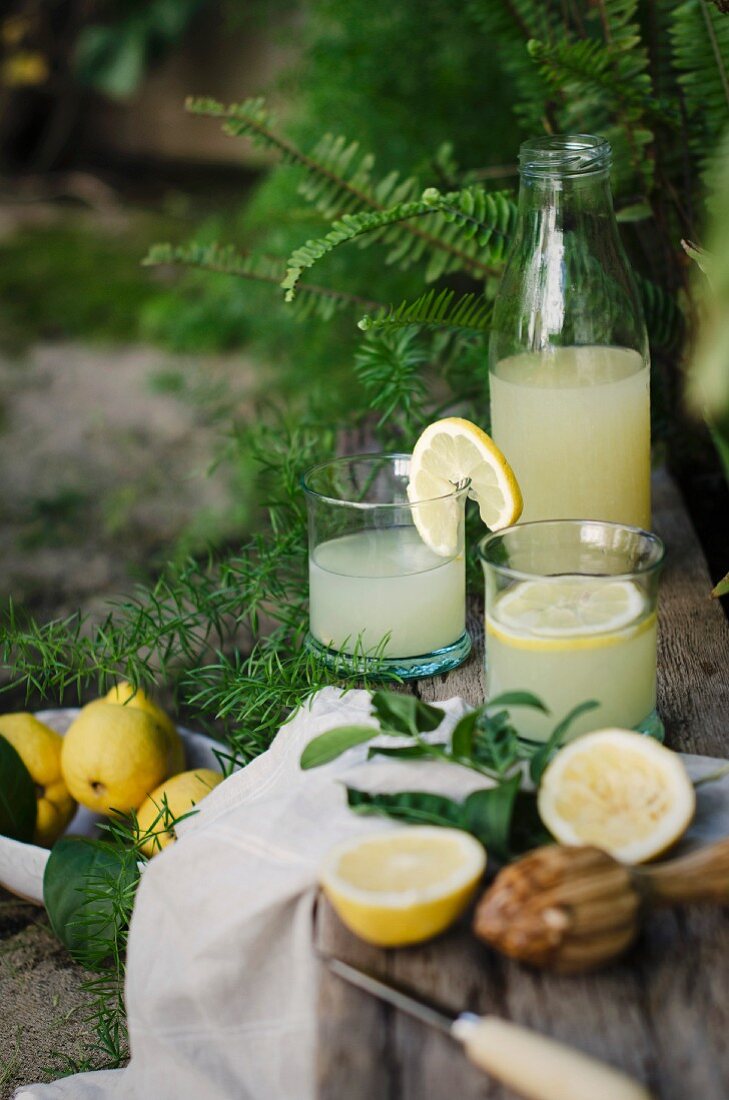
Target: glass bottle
{"x": 568, "y": 356}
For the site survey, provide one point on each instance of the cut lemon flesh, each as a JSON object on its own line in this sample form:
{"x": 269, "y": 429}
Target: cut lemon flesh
{"x": 403, "y": 887}
{"x": 568, "y": 610}
{"x": 619, "y": 790}
{"x": 448, "y": 453}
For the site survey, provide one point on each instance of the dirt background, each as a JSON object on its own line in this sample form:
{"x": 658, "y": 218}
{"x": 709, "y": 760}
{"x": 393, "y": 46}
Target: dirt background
{"x": 105, "y": 459}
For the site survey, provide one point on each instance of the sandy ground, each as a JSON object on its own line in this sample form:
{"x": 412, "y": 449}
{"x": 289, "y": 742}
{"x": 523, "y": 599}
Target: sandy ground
{"x": 104, "y": 460}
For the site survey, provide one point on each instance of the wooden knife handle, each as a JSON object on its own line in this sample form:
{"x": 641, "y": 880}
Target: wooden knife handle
{"x": 539, "y": 1068}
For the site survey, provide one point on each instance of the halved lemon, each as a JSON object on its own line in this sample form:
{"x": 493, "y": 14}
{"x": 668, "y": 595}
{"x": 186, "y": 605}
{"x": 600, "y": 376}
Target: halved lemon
{"x": 446, "y": 454}
{"x": 619, "y": 790}
{"x": 571, "y": 609}
{"x": 402, "y": 887}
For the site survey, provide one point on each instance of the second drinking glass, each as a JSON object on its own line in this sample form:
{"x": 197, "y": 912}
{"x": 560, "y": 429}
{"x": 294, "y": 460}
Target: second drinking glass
{"x": 571, "y": 616}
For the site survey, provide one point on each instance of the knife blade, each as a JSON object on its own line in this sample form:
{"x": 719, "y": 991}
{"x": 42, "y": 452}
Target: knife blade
{"x": 536, "y": 1067}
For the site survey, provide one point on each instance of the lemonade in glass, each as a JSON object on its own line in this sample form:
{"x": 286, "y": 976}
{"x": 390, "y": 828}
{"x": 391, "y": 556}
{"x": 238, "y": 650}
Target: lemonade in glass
{"x": 570, "y": 617}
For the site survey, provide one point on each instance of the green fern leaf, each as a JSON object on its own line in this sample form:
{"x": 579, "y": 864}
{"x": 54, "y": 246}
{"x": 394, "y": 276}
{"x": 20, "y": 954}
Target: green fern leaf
{"x": 319, "y": 301}
{"x": 510, "y": 24}
{"x": 472, "y": 226}
{"x": 604, "y": 84}
{"x": 700, "y": 40}
{"x": 434, "y": 309}
{"x": 664, "y": 320}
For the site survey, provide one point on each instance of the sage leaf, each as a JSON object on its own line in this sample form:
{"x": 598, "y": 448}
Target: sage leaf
{"x": 82, "y": 880}
{"x": 18, "y": 804}
{"x": 545, "y": 753}
{"x": 518, "y": 699}
{"x": 404, "y": 713}
{"x": 404, "y": 752}
{"x": 527, "y": 829}
{"x": 496, "y": 743}
{"x": 462, "y": 739}
{"x": 488, "y": 815}
{"x": 328, "y": 746}
{"x": 416, "y": 807}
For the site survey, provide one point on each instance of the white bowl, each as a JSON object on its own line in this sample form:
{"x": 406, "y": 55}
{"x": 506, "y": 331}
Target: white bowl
{"x": 22, "y": 866}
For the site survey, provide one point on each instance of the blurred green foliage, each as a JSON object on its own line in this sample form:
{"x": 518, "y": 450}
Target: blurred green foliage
{"x": 74, "y": 280}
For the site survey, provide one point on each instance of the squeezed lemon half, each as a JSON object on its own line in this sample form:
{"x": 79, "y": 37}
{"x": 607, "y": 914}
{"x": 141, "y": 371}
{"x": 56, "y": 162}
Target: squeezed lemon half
{"x": 405, "y": 886}
{"x": 619, "y": 790}
{"x": 447, "y": 453}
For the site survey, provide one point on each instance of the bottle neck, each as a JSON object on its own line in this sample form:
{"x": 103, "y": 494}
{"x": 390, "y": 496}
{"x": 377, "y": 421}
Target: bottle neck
{"x": 565, "y": 202}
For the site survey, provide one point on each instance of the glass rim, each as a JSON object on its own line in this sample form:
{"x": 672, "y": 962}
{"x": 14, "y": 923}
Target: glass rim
{"x": 565, "y": 155}
{"x": 642, "y": 570}
{"x": 369, "y": 505}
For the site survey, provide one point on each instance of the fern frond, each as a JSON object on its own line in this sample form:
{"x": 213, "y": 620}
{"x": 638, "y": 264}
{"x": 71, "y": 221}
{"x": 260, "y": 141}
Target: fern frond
{"x": 475, "y": 225}
{"x": 663, "y": 317}
{"x": 604, "y": 84}
{"x": 434, "y": 309}
{"x": 700, "y": 41}
{"x": 339, "y": 182}
{"x": 507, "y": 25}
{"x": 319, "y": 301}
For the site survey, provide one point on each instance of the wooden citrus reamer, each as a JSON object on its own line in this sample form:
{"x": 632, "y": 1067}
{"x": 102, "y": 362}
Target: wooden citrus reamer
{"x": 575, "y": 909}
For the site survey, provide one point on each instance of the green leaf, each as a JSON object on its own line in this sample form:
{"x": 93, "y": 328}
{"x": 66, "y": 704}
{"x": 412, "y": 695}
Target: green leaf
{"x": 517, "y": 699}
{"x": 496, "y": 743}
{"x": 416, "y": 807}
{"x": 722, "y": 588}
{"x": 18, "y": 805}
{"x": 462, "y": 739}
{"x": 527, "y": 828}
{"x": 328, "y": 746}
{"x": 635, "y": 212}
{"x": 405, "y": 752}
{"x": 79, "y": 914}
{"x": 488, "y": 815}
{"x": 544, "y": 754}
{"x": 404, "y": 713}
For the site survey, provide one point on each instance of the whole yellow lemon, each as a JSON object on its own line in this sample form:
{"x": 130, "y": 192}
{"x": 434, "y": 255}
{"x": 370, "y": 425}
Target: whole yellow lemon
{"x": 124, "y": 694}
{"x": 112, "y": 756}
{"x": 39, "y": 747}
{"x": 169, "y": 801}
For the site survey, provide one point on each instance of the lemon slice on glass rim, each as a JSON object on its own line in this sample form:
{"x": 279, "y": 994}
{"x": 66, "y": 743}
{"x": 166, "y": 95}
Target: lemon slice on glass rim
{"x": 619, "y": 790}
{"x": 403, "y": 886}
{"x": 449, "y": 453}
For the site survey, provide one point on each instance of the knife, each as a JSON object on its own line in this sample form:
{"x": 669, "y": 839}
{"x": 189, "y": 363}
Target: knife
{"x": 532, "y": 1065}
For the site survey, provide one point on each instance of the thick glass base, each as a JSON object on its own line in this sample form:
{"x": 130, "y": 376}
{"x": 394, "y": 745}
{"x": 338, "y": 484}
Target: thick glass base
{"x": 652, "y": 726}
{"x": 391, "y": 668}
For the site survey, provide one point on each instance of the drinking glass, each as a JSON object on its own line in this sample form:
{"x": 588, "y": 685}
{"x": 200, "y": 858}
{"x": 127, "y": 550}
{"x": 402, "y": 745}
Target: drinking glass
{"x": 571, "y": 616}
{"x": 376, "y": 588}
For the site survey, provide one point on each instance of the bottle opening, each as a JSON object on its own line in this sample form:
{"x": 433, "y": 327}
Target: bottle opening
{"x": 560, "y": 155}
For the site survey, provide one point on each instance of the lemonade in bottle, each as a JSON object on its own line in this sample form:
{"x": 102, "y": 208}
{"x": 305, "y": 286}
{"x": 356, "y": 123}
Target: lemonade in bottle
{"x": 568, "y": 355}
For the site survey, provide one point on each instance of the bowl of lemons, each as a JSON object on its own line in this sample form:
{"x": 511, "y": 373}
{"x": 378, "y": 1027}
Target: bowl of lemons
{"x": 120, "y": 754}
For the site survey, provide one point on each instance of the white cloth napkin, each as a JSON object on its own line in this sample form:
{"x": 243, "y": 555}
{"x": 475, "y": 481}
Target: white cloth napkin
{"x": 221, "y": 978}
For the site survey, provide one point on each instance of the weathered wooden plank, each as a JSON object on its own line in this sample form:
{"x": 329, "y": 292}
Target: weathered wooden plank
{"x": 693, "y": 645}
{"x": 662, "y": 1013}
